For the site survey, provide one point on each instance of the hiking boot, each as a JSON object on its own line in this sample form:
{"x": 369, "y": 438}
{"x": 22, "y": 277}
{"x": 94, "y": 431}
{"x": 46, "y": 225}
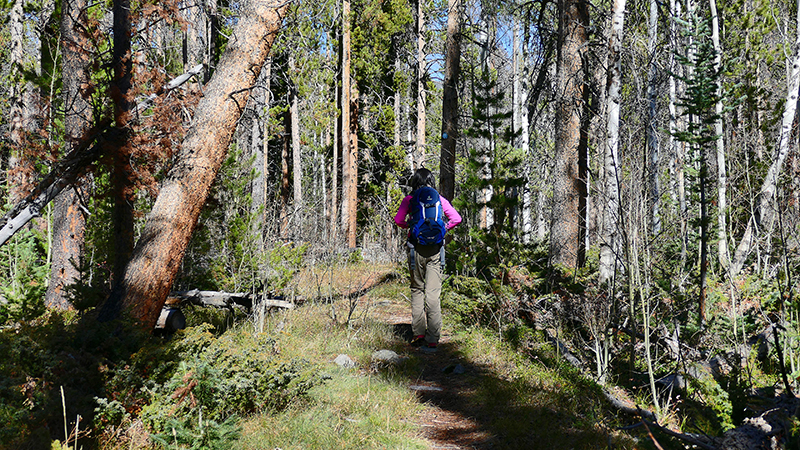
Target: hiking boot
{"x": 418, "y": 341}
{"x": 430, "y": 348}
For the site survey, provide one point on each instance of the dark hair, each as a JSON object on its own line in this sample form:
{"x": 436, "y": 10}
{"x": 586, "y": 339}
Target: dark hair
{"x": 422, "y": 177}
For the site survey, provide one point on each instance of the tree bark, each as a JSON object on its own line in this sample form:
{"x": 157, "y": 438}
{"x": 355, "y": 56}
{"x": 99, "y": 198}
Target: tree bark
{"x": 569, "y": 186}
{"x": 652, "y": 121}
{"x": 17, "y": 88}
{"x": 123, "y": 190}
{"x": 452, "y": 71}
{"x": 297, "y": 163}
{"x": 352, "y": 169}
{"x": 70, "y": 228}
{"x": 158, "y": 253}
{"x": 422, "y": 66}
{"x": 345, "y": 117}
{"x": 722, "y": 172}
{"x": 610, "y": 244}
{"x": 285, "y": 182}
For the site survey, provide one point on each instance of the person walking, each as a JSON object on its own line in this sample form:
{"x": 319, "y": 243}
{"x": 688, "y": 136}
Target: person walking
{"x": 428, "y": 216}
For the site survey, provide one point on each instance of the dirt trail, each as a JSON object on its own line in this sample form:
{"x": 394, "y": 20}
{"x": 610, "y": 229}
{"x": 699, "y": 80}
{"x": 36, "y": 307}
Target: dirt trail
{"x": 443, "y": 385}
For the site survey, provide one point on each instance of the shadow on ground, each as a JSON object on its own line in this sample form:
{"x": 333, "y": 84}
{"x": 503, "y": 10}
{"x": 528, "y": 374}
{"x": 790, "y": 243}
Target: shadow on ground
{"x": 477, "y": 406}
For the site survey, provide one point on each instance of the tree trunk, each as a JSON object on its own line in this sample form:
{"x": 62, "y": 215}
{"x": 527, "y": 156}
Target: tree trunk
{"x": 611, "y": 243}
{"x": 345, "y": 107}
{"x": 69, "y": 229}
{"x": 652, "y": 121}
{"x": 285, "y": 190}
{"x": 722, "y": 172}
{"x": 569, "y": 188}
{"x": 123, "y": 190}
{"x": 16, "y": 174}
{"x": 764, "y": 214}
{"x": 158, "y": 253}
{"x": 352, "y": 169}
{"x": 521, "y": 74}
{"x": 297, "y": 163}
{"x": 259, "y": 146}
{"x": 422, "y": 67}
{"x": 452, "y": 71}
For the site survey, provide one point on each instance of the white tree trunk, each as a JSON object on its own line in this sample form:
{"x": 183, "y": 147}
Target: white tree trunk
{"x": 610, "y": 244}
{"x": 345, "y": 105}
{"x": 652, "y": 122}
{"x": 297, "y": 162}
{"x": 722, "y": 174}
{"x": 764, "y": 213}
{"x": 521, "y": 76}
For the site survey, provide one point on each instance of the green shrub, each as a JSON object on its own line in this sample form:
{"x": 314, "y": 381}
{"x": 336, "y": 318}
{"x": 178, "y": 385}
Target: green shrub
{"x": 194, "y": 388}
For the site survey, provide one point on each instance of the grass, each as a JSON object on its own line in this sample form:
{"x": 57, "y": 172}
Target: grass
{"x": 513, "y": 394}
{"x": 521, "y": 397}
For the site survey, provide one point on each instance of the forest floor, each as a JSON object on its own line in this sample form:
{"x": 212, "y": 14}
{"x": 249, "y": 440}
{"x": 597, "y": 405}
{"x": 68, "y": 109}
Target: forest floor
{"x": 478, "y": 390}
{"x": 475, "y": 397}
{"x": 443, "y": 384}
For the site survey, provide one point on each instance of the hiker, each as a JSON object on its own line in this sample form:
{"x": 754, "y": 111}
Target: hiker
{"x": 428, "y": 216}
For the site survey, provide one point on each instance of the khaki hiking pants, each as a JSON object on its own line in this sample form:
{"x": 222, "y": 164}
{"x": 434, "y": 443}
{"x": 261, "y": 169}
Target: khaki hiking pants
{"x": 425, "y": 265}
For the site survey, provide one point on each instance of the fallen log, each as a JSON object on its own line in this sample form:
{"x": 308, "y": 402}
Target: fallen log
{"x": 219, "y": 299}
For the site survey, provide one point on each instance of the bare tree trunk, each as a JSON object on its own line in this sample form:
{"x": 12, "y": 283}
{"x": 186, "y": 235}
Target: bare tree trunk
{"x": 352, "y": 169}
{"x": 566, "y": 246}
{"x": 652, "y": 121}
{"x": 211, "y": 31}
{"x": 452, "y": 71}
{"x": 123, "y": 190}
{"x": 285, "y": 191}
{"x": 722, "y": 171}
{"x": 764, "y": 214}
{"x": 521, "y": 74}
{"x": 69, "y": 229}
{"x": 158, "y": 253}
{"x": 345, "y": 107}
{"x": 422, "y": 67}
{"x": 297, "y": 163}
{"x": 398, "y": 97}
{"x": 259, "y": 146}
{"x": 16, "y": 175}
{"x": 611, "y": 243}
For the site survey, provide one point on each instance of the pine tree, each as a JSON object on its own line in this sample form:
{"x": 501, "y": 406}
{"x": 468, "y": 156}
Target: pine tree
{"x": 699, "y": 103}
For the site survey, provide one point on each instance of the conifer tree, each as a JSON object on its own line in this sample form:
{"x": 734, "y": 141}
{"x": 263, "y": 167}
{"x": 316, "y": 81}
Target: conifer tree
{"x": 699, "y": 103}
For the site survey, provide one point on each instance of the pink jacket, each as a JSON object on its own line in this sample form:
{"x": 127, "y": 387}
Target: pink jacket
{"x": 401, "y": 218}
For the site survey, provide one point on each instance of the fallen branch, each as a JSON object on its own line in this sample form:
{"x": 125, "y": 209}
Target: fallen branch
{"x": 691, "y": 439}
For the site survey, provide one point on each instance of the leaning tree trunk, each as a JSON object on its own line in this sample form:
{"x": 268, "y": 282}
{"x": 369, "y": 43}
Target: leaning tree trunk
{"x": 764, "y": 214}
{"x": 158, "y": 253}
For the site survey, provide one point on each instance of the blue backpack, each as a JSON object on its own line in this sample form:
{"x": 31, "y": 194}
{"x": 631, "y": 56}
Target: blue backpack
{"x": 427, "y": 217}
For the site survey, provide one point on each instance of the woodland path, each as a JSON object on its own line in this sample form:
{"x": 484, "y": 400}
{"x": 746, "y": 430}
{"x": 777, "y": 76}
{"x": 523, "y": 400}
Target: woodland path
{"x": 444, "y": 384}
